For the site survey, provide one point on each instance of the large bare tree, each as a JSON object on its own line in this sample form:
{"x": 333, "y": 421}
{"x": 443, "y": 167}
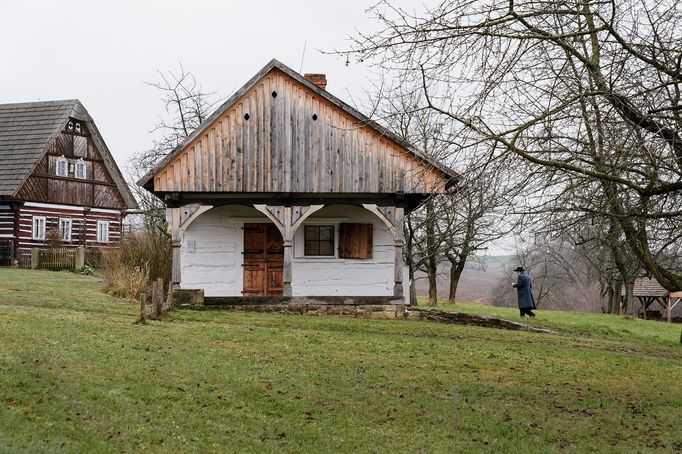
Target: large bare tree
{"x": 557, "y": 83}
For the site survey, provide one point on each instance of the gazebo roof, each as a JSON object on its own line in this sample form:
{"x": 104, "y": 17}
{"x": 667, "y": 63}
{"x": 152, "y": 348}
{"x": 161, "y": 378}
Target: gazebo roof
{"x": 647, "y": 286}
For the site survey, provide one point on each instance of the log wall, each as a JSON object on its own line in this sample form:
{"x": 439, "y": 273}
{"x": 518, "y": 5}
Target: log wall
{"x": 83, "y": 226}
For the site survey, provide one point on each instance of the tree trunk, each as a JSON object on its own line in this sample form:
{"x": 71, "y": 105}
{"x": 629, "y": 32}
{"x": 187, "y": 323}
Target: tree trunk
{"x": 628, "y": 303}
{"x": 612, "y": 308}
{"x": 617, "y": 299}
{"x": 456, "y": 269}
{"x": 432, "y": 251}
{"x": 413, "y": 288}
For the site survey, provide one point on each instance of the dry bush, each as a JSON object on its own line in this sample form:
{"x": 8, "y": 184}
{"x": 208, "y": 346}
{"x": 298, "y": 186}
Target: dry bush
{"x": 140, "y": 259}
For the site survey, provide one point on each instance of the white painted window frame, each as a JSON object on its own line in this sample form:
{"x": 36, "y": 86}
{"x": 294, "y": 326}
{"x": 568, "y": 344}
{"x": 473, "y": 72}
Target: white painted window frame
{"x": 80, "y": 164}
{"x": 65, "y": 162}
{"x": 102, "y": 234}
{"x": 39, "y": 224}
{"x": 64, "y": 232}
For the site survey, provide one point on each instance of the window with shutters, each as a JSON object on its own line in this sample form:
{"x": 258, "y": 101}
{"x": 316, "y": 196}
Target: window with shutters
{"x": 319, "y": 240}
{"x": 355, "y": 241}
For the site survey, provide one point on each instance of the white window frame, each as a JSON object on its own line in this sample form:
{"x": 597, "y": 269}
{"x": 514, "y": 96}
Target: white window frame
{"x": 38, "y": 227}
{"x": 80, "y": 164}
{"x": 102, "y": 235}
{"x": 64, "y": 231}
{"x": 62, "y": 160}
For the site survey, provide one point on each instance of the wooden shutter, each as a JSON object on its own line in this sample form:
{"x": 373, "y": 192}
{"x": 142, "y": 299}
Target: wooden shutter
{"x": 355, "y": 241}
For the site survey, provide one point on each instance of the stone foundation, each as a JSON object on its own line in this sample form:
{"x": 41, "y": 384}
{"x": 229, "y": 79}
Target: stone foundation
{"x": 384, "y": 312}
{"x": 372, "y": 307}
{"x": 187, "y": 298}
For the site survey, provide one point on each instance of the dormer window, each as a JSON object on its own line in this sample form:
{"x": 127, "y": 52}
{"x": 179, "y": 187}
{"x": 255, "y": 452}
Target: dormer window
{"x": 69, "y": 126}
{"x": 80, "y": 171}
{"x": 78, "y": 127}
{"x": 62, "y": 168}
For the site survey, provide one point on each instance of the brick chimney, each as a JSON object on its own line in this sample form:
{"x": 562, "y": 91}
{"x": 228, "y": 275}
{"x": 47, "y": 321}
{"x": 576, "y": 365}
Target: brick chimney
{"x": 318, "y": 79}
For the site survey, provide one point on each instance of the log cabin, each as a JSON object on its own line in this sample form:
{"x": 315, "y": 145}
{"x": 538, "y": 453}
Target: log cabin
{"x": 59, "y": 184}
{"x": 287, "y": 194}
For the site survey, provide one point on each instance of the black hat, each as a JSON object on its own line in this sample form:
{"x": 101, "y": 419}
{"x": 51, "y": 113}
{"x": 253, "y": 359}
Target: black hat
{"x": 519, "y": 269}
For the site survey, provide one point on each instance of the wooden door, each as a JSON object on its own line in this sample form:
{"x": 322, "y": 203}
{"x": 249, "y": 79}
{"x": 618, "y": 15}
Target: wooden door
{"x": 263, "y": 260}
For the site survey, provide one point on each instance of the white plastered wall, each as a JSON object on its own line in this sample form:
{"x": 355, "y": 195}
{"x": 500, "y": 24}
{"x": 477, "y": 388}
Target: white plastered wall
{"x": 212, "y": 246}
{"x": 331, "y": 276}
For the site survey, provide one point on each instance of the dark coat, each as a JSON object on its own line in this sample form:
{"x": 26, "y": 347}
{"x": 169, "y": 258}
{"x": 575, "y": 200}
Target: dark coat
{"x": 524, "y": 290}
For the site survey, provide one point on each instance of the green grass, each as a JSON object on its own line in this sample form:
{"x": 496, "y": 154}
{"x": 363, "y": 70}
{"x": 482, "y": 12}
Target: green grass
{"x": 76, "y": 375}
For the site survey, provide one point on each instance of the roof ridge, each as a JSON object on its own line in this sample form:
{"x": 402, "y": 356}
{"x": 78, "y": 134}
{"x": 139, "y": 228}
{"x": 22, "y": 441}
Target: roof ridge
{"x": 57, "y": 102}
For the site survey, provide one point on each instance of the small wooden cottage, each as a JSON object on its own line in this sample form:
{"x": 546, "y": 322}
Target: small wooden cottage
{"x": 59, "y": 185}
{"x": 286, "y": 191}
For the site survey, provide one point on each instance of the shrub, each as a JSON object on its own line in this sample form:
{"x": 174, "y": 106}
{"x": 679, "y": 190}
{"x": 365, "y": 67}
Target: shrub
{"x": 141, "y": 258}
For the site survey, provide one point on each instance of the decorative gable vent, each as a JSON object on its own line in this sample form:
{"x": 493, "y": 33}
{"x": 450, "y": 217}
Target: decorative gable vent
{"x": 78, "y": 127}
{"x": 69, "y": 125}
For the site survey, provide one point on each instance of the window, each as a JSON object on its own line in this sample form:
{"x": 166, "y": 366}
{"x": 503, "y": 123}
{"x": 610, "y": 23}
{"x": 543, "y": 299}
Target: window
{"x": 38, "y": 227}
{"x": 355, "y": 241}
{"x": 80, "y": 171}
{"x": 65, "y": 229}
{"x": 62, "y": 167}
{"x": 102, "y": 231}
{"x": 319, "y": 240}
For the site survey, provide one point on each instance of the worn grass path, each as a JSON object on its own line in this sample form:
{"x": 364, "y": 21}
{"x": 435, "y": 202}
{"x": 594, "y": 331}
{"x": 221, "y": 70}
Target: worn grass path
{"x": 77, "y": 376}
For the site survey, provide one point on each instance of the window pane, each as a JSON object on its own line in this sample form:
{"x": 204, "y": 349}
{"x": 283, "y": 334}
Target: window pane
{"x": 326, "y": 232}
{"x": 312, "y": 232}
{"x": 326, "y": 248}
{"x": 312, "y": 248}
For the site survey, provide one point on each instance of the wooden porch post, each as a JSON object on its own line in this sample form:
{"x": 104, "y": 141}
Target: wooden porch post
{"x": 173, "y": 219}
{"x": 288, "y": 219}
{"x": 398, "y": 258}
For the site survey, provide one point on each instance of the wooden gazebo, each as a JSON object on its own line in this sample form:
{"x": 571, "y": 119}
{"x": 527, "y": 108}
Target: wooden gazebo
{"x": 648, "y": 291}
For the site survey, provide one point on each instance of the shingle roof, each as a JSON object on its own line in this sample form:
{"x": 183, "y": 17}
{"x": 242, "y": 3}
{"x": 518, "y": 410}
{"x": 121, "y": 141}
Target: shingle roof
{"x": 645, "y": 286}
{"x": 26, "y": 130}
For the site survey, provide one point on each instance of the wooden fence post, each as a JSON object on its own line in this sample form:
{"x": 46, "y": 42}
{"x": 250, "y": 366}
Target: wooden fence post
{"x": 35, "y": 258}
{"x": 157, "y": 299}
{"x": 143, "y": 313}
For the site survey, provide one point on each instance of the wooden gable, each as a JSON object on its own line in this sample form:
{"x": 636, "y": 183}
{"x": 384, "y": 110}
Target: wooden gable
{"x": 281, "y": 135}
{"x": 34, "y": 135}
{"x": 98, "y": 189}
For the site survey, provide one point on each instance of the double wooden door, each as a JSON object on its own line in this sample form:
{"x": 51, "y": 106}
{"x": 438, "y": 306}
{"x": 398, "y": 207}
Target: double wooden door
{"x": 263, "y": 260}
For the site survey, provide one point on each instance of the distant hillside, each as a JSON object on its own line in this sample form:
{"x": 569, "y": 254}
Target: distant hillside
{"x": 477, "y": 282}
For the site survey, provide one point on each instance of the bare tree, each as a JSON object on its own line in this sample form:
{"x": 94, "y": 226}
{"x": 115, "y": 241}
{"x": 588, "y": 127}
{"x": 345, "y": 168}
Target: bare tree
{"x": 548, "y": 82}
{"x": 185, "y": 106}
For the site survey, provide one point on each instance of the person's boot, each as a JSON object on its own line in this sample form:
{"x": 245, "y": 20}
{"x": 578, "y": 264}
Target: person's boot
{"x": 531, "y": 314}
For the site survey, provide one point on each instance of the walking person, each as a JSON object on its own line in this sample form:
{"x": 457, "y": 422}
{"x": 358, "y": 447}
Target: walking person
{"x": 524, "y": 289}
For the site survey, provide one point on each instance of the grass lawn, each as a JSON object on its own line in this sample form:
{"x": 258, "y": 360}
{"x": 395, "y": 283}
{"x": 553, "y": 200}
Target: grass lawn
{"x": 76, "y": 375}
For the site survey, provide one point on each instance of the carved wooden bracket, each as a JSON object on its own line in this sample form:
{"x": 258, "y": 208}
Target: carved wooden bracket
{"x": 288, "y": 218}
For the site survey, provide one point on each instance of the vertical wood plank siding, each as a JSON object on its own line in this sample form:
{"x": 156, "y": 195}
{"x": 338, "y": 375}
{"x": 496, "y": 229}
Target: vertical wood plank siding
{"x": 279, "y": 147}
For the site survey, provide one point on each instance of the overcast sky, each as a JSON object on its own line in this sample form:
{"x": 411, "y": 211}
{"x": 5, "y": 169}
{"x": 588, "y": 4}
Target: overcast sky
{"x": 103, "y": 52}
